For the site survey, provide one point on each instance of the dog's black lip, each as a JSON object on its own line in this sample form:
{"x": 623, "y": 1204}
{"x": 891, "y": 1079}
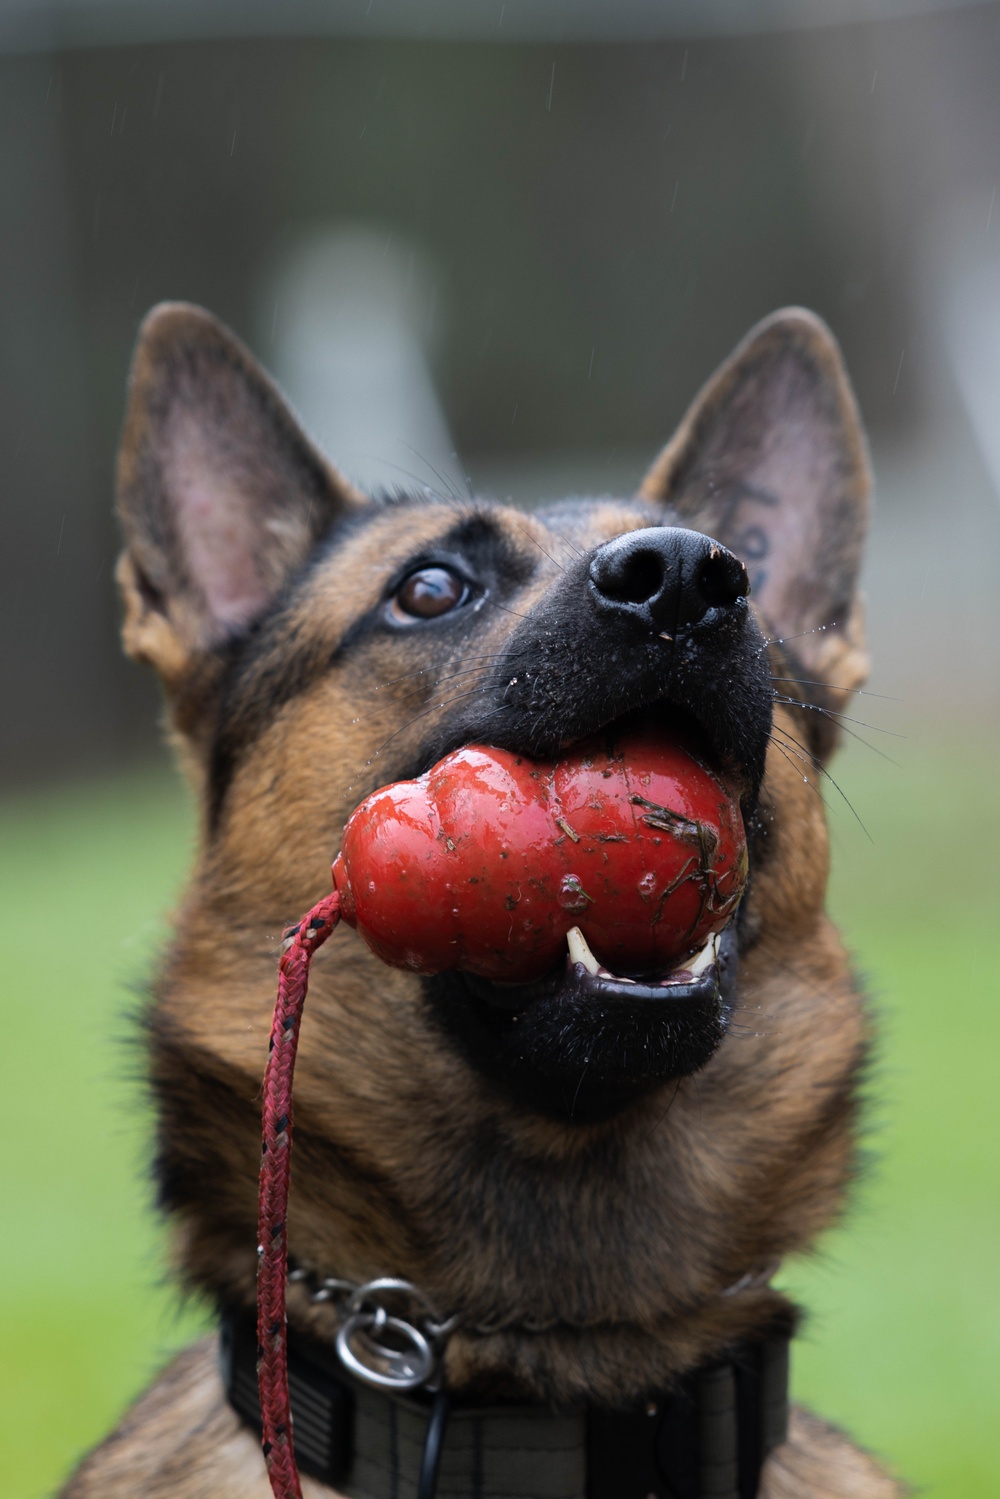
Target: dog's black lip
{"x": 576, "y": 980}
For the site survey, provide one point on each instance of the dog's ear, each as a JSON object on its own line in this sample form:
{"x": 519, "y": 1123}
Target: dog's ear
{"x": 771, "y": 460}
{"x": 220, "y": 495}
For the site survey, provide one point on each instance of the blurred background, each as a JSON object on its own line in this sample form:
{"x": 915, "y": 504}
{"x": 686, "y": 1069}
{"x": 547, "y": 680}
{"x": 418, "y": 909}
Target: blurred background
{"x": 502, "y": 245}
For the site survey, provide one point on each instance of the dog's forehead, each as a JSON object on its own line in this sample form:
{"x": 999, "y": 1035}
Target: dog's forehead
{"x": 589, "y": 522}
{"x": 412, "y": 525}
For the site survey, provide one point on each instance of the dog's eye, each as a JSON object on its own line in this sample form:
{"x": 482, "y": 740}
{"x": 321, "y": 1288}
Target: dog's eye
{"x": 430, "y": 591}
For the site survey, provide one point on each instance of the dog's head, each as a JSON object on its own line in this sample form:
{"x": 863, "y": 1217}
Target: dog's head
{"x": 315, "y": 643}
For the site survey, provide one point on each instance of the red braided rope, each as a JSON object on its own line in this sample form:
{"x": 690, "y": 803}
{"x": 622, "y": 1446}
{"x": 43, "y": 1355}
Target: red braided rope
{"x": 275, "y": 1171}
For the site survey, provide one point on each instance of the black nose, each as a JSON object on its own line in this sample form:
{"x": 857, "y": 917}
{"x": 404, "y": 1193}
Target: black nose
{"x": 666, "y": 576}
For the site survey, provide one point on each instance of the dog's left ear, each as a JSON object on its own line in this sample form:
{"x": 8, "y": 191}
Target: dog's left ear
{"x": 771, "y": 461}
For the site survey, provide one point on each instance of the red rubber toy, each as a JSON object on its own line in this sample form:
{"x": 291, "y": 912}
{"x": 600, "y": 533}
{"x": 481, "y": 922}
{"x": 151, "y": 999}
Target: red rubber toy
{"x": 488, "y": 860}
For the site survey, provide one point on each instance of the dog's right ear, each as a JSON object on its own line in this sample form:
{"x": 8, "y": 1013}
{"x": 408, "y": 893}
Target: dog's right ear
{"x": 220, "y": 495}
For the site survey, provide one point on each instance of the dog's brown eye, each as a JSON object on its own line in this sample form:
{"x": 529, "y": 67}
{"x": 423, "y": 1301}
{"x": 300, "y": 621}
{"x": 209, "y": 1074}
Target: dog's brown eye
{"x": 429, "y": 592}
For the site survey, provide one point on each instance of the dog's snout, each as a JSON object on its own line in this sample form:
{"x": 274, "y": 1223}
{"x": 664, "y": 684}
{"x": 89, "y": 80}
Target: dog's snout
{"x": 667, "y": 576}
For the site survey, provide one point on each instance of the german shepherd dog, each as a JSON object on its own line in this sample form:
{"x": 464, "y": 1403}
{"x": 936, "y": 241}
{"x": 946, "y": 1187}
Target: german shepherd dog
{"x": 597, "y": 1193}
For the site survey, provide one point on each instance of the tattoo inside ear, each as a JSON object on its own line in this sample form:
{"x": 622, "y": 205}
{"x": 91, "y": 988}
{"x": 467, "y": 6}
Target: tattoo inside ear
{"x": 748, "y": 514}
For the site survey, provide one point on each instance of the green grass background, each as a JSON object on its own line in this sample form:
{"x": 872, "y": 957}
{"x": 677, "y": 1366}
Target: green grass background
{"x": 903, "y": 1340}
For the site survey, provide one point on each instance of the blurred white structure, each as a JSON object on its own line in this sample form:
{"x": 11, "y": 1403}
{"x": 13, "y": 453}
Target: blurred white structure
{"x": 346, "y": 319}
{"x": 971, "y": 287}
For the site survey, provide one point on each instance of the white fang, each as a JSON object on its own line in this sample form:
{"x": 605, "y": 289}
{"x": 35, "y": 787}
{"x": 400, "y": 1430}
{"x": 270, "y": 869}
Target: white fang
{"x": 579, "y": 952}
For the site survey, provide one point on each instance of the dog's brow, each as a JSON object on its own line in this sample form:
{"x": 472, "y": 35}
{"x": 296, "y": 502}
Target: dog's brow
{"x": 488, "y": 539}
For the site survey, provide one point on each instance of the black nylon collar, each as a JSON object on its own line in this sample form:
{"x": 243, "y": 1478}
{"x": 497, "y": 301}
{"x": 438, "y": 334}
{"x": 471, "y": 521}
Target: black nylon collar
{"x": 705, "y": 1439}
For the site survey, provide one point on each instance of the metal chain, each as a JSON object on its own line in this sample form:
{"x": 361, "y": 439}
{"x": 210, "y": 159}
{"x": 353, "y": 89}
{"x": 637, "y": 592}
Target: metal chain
{"x": 393, "y": 1351}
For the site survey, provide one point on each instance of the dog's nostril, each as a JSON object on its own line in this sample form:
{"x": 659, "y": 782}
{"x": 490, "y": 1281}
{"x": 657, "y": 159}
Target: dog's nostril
{"x": 722, "y": 579}
{"x": 637, "y": 577}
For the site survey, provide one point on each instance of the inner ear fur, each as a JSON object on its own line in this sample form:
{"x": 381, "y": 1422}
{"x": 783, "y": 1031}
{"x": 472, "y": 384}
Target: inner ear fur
{"x": 771, "y": 460}
{"x": 220, "y": 495}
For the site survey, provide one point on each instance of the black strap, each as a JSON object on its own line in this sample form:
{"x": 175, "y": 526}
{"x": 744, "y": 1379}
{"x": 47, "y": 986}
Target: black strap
{"x": 706, "y": 1439}
{"x": 430, "y": 1461}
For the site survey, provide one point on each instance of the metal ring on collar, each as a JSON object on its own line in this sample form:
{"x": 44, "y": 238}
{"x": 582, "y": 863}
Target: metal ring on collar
{"x": 406, "y": 1368}
{"x": 363, "y": 1295}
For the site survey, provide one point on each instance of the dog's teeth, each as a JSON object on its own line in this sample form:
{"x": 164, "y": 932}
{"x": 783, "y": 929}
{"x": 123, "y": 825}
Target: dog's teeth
{"x": 579, "y": 952}
{"x": 708, "y": 955}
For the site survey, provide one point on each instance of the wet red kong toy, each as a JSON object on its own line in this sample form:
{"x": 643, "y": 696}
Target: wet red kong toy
{"x": 489, "y": 859}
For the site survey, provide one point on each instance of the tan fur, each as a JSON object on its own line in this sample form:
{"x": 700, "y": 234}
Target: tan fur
{"x": 622, "y": 1235}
